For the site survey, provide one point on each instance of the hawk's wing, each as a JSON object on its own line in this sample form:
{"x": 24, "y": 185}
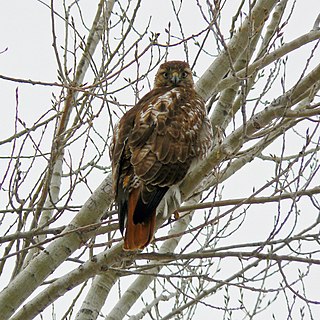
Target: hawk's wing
{"x": 165, "y": 137}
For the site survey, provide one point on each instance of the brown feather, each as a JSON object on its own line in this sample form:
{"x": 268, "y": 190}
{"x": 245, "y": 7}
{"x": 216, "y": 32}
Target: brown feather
{"x": 153, "y": 148}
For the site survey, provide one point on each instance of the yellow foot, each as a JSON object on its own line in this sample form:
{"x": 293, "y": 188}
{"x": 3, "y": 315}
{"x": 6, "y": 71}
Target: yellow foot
{"x": 176, "y": 215}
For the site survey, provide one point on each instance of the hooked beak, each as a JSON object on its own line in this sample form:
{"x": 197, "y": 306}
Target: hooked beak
{"x": 175, "y": 78}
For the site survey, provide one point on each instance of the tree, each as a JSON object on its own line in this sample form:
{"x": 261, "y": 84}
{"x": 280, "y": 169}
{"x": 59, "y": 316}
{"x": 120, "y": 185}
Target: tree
{"x": 254, "y": 255}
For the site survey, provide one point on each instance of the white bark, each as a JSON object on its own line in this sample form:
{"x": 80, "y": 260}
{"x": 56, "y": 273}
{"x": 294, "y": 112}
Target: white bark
{"x": 206, "y": 85}
{"x": 235, "y": 140}
{"x": 96, "y": 31}
{"x": 97, "y": 295}
{"x": 226, "y": 108}
{"x": 51, "y": 201}
{"x": 257, "y": 148}
{"x": 56, "y": 252}
{"x": 97, "y": 264}
{"x": 135, "y": 290}
{"x": 149, "y": 307}
{"x": 269, "y": 58}
{"x": 211, "y": 290}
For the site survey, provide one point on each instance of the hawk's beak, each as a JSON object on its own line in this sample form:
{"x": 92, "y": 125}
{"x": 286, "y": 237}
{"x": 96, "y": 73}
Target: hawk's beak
{"x": 175, "y": 78}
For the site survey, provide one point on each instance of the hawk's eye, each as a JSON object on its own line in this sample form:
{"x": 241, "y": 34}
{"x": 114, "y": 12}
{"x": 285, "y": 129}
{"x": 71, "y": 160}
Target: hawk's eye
{"x": 184, "y": 74}
{"x": 165, "y": 75}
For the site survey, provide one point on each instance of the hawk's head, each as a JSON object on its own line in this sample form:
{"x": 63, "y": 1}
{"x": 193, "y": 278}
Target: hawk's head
{"x": 174, "y": 74}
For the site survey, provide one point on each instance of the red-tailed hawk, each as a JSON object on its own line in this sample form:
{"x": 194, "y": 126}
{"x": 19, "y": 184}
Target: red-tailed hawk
{"x": 154, "y": 145}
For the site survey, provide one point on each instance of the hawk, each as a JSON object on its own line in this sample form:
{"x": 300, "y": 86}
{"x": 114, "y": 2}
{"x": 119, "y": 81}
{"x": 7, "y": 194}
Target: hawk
{"x": 154, "y": 145}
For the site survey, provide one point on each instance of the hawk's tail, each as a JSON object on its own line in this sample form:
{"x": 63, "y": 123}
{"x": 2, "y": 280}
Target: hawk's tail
{"x": 138, "y": 235}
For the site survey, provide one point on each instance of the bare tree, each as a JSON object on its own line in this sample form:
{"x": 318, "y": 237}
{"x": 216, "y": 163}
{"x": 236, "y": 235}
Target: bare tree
{"x": 246, "y": 242}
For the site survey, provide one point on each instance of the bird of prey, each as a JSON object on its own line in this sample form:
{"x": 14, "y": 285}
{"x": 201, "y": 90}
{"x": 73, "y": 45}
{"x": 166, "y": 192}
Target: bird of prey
{"x": 154, "y": 145}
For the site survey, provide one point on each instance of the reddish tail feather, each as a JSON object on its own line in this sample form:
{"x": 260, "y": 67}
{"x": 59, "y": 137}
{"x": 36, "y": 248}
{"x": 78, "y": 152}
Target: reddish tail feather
{"x": 137, "y": 235}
